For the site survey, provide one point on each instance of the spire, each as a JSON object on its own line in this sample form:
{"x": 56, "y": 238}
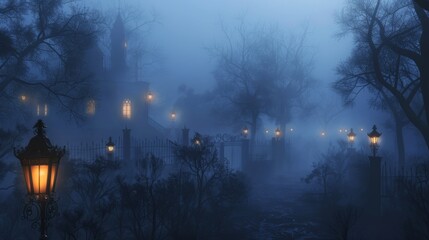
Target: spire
{"x": 118, "y": 46}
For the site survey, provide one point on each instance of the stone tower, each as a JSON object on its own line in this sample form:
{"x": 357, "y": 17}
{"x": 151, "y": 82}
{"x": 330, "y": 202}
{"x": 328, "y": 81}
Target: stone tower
{"x": 118, "y": 47}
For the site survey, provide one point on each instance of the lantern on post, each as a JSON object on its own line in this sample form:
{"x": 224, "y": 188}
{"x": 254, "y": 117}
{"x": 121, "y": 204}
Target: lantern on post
{"x": 374, "y": 137}
{"x": 110, "y": 148}
{"x": 245, "y": 132}
{"x": 173, "y": 116}
{"x": 351, "y": 136}
{"x": 197, "y": 139}
{"x": 278, "y": 133}
{"x": 40, "y": 161}
{"x": 149, "y": 97}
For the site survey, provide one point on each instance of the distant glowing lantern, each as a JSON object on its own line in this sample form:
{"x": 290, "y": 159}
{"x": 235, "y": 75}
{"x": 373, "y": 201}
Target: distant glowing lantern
{"x": 126, "y": 109}
{"x": 90, "y": 107}
{"x": 23, "y": 98}
{"x": 245, "y": 132}
{"x": 374, "y": 137}
{"x": 278, "y": 133}
{"x": 173, "y": 116}
{"x": 323, "y": 133}
{"x": 291, "y": 129}
{"x": 197, "y": 139}
{"x": 351, "y": 136}
{"x": 149, "y": 97}
{"x": 110, "y": 147}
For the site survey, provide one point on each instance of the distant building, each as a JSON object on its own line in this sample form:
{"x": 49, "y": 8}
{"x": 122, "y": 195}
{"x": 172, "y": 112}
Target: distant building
{"x": 119, "y": 99}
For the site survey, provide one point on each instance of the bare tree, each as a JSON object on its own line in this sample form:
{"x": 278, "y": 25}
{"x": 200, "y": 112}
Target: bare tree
{"x": 43, "y": 43}
{"x": 393, "y": 37}
{"x": 259, "y": 72}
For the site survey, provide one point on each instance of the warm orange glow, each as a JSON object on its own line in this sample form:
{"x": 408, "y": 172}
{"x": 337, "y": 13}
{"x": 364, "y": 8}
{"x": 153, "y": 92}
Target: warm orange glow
{"x": 110, "y": 148}
{"x": 126, "y": 109}
{"x": 197, "y": 142}
{"x": 351, "y": 138}
{"x": 149, "y": 97}
{"x": 278, "y": 132}
{"x": 374, "y": 140}
{"x": 39, "y": 176}
{"x": 90, "y": 107}
{"x": 23, "y": 98}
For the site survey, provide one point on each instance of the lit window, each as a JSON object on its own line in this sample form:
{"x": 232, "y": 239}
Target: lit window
{"x": 38, "y": 110}
{"x": 126, "y": 109}
{"x": 46, "y": 109}
{"x": 90, "y": 107}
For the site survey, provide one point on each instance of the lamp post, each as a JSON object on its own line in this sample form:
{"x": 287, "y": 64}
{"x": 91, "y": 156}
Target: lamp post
{"x": 245, "y": 132}
{"x": 110, "y": 148}
{"x": 374, "y": 137}
{"x": 39, "y": 162}
{"x": 278, "y": 133}
{"x": 375, "y": 173}
{"x": 197, "y": 140}
{"x": 149, "y": 97}
{"x": 173, "y": 116}
{"x": 351, "y": 136}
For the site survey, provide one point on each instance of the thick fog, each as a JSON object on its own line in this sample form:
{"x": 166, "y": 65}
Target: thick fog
{"x": 226, "y": 119}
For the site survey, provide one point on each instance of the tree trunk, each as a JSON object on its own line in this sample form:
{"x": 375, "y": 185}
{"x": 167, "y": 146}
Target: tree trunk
{"x": 424, "y": 67}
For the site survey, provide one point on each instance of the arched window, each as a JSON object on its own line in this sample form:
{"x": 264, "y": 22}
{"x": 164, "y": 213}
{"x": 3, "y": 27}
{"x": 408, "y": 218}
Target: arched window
{"x": 126, "y": 109}
{"x": 90, "y": 107}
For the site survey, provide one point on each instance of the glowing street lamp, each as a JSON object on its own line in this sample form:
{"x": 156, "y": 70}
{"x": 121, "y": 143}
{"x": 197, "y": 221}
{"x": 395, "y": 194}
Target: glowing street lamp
{"x": 351, "y": 136}
{"x": 23, "y": 98}
{"x": 245, "y": 132}
{"x": 374, "y": 138}
{"x": 173, "y": 116}
{"x": 39, "y": 162}
{"x": 196, "y": 140}
{"x": 149, "y": 97}
{"x": 110, "y": 148}
{"x": 278, "y": 133}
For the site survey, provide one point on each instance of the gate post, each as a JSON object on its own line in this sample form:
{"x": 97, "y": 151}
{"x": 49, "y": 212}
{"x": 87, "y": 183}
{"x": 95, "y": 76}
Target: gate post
{"x": 126, "y": 144}
{"x": 375, "y": 185}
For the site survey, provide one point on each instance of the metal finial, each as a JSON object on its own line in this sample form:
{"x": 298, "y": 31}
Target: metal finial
{"x": 39, "y": 126}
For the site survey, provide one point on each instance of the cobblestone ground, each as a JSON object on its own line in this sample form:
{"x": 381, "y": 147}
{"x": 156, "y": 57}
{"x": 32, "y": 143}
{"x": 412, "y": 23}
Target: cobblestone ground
{"x": 281, "y": 212}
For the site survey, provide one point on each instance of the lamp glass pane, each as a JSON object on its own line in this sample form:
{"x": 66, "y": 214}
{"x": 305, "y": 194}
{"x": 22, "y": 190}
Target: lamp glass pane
{"x": 40, "y": 178}
{"x": 110, "y": 148}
